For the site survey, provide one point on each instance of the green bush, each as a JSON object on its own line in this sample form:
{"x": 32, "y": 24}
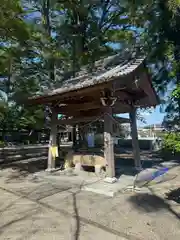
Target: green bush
{"x": 2, "y": 144}
{"x": 171, "y": 142}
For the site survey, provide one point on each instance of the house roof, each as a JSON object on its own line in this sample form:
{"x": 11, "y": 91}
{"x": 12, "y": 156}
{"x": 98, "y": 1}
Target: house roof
{"x": 104, "y": 70}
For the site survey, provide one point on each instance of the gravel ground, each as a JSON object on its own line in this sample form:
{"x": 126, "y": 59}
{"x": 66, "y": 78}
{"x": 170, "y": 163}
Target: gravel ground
{"x": 39, "y": 209}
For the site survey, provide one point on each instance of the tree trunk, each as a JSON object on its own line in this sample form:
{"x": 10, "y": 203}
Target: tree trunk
{"x": 177, "y": 59}
{"x": 8, "y": 89}
{"x": 47, "y": 28}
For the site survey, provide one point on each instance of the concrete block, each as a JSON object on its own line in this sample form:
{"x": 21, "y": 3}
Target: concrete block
{"x": 109, "y": 193}
{"x": 110, "y": 180}
{"x": 49, "y": 170}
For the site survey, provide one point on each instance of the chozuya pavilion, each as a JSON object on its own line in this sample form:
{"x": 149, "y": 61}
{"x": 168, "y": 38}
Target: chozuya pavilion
{"x": 116, "y": 84}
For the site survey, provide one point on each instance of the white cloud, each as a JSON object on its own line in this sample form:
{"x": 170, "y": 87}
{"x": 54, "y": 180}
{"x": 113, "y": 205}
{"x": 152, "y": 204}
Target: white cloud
{"x": 146, "y": 113}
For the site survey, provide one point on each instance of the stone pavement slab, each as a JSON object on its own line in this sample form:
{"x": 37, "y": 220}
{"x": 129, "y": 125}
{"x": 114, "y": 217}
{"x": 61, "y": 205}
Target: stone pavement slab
{"x": 126, "y": 216}
{"x": 22, "y": 219}
{"x": 121, "y": 214}
{"x": 110, "y": 189}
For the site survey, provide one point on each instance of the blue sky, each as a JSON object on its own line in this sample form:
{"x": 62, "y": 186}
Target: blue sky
{"x": 154, "y": 117}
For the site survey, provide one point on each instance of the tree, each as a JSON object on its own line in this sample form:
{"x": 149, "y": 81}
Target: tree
{"x": 12, "y": 25}
{"x": 159, "y": 30}
{"x": 3, "y": 104}
{"x": 63, "y": 36}
{"x": 170, "y": 33}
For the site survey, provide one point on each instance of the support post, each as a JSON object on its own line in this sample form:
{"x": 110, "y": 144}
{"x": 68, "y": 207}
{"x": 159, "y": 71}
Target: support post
{"x": 52, "y": 140}
{"x": 74, "y": 136}
{"x": 135, "y": 142}
{"x": 108, "y": 141}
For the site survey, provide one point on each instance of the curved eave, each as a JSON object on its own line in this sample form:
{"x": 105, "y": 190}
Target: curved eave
{"x": 88, "y": 83}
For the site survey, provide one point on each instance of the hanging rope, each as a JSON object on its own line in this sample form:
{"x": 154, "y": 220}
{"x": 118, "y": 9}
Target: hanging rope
{"x": 95, "y": 120}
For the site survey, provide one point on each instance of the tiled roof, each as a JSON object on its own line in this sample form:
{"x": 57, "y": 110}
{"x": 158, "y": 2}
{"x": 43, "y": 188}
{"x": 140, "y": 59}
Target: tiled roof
{"x": 104, "y": 70}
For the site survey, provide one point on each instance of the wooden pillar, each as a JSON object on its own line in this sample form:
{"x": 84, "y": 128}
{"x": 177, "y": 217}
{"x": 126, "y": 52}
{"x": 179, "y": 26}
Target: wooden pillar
{"x": 78, "y": 137}
{"x": 52, "y": 140}
{"x": 74, "y": 136}
{"x": 70, "y": 134}
{"x": 82, "y": 135}
{"x": 135, "y": 142}
{"x": 108, "y": 141}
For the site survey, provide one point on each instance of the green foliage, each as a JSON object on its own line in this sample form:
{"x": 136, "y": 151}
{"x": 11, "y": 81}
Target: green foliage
{"x": 2, "y": 144}
{"x": 47, "y": 38}
{"x": 3, "y": 105}
{"x": 171, "y": 142}
{"x": 12, "y": 25}
{"x": 173, "y": 5}
{"x": 43, "y": 39}
{"x": 176, "y": 92}
{"x": 160, "y": 32}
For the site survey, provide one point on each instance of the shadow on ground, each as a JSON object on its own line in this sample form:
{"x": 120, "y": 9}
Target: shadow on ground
{"x": 174, "y": 195}
{"x": 151, "y": 203}
{"x": 124, "y": 164}
{"x": 148, "y": 158}
{"x": 23, "y": 168}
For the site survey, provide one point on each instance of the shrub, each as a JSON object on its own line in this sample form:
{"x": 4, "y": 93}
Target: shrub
{"x": 2, "y": 144}
{"x": 171, "y": 142}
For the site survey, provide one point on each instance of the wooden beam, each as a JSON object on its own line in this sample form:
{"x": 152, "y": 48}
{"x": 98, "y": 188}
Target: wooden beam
{"x": 108, "y": 141}
{"x": 119, "y": 107}
{"x": 76, "y": 100}
{"x": 145, "y": 85}
{"x": 64, "y": 96}
{"x": 77, "y": 120}
{"x": 135, "y": 142}
{"x": 90, "y": 108}
{"x": 79, "y": 99}
{"x": 122, "y": 83}
{"x": 74, "y": 138}
{"x": 126, "y": 81}
{"x": 121, "y": 120}
{"x": 123, "y": 94}
{"x": 79, "y": 107}
{"x": 82, "y": 114}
